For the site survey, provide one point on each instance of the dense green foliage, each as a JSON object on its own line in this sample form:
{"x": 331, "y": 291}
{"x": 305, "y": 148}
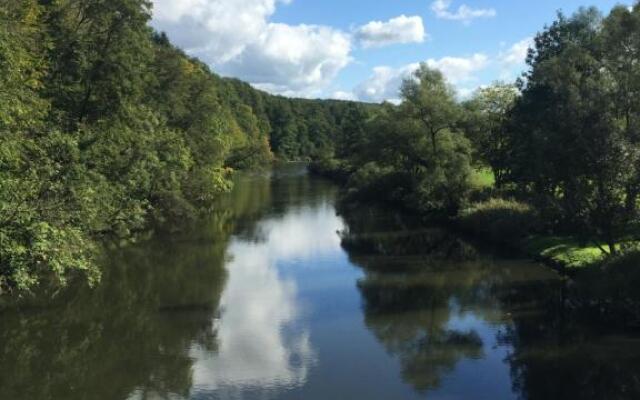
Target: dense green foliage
{"x": 564, "y": 140}
{"x": 106, "y": 129}
{"x": 484, "y": 119}
{"x": 413, "y": 154}
{"x": 574, "y": 133}
{"x": 499, "y": 220}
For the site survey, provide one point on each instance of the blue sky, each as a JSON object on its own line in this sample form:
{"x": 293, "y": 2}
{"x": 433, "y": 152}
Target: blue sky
{"x": 359, "y": 49}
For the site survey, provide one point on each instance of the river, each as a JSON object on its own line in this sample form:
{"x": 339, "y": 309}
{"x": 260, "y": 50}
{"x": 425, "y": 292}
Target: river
{"x": 279, "y": 297}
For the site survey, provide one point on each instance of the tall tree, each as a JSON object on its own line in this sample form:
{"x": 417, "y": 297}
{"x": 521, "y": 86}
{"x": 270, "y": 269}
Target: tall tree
{"x": 428, "y": 98}
{"x": 567, "y": 146}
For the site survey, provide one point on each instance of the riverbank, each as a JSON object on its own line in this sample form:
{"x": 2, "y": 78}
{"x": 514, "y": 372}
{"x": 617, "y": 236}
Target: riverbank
{"x": 518, "y": 226}
{"x": 508, "y": 223}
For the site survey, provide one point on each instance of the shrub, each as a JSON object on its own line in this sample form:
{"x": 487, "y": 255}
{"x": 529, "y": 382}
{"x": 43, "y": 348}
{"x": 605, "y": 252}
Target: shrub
{"x": 500, "y": 220}
{"x": 331, "y": 168}
{"x": 375, "y": 182}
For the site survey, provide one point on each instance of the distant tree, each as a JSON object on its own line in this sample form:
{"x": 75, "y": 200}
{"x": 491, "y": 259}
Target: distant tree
{"x": 486, "y": 116}
{"x": 351, "y": 132}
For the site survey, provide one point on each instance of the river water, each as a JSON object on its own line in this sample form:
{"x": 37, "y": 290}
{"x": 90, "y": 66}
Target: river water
{"x": 279, "y": 297}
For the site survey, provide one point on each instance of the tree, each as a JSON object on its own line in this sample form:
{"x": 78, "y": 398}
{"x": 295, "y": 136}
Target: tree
{"x": 107, "y": 130}
{"x": 428, "y": 98}
{"x": 39, "y": 184}
{"x": 413, "y": 154}
{"x": 486, "y": 116}
{"x": 567, "y": 146}
{"x": 351, "y": 132}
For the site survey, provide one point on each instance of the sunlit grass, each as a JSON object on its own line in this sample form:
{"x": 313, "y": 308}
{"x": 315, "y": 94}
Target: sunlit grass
{"x": 483, "y": 178}
{"x": 565, "y": 250}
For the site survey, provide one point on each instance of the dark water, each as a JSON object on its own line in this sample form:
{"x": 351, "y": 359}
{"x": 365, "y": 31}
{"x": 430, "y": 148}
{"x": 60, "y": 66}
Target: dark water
{"x": 277, "y": 297}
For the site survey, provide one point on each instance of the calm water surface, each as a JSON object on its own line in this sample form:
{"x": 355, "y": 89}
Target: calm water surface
{"x": 278, "y": 297}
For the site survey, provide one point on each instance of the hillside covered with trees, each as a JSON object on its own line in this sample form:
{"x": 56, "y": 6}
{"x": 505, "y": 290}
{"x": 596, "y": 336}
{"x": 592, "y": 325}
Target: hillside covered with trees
{"x": 107, "y": 130}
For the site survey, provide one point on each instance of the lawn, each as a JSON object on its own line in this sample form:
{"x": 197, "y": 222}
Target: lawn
{"x": 564, "y": 250}
{"x": 483, "y": 178}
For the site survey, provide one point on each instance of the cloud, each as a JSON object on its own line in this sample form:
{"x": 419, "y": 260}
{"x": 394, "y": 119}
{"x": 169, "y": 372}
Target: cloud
{"x": 460, "y": 69}
{"x": 385, "y": 82}
{"x": 512, "y": 60}
{"x": 219, "y": 28}
{"x": 342, "y": 95}
{"x": 237, "y": 39}
{"x": 517, "y": 53}
{"x": 401, "y": 29}
{"x": 464, "y": 13}
{"x": 303, "y": 58}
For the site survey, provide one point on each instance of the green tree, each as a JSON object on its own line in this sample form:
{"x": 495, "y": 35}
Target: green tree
{"x": 486, "y": 116}
{"x": 40, "y": 187}
{"x": 413, "y": 154}
{"x": 428, "y": 98}
{"x": 568, "y": 148}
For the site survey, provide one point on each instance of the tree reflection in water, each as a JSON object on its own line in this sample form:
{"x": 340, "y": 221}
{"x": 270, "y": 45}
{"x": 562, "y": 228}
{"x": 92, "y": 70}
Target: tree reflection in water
{"x": 153, "y": 303}
{"x": 417, "y": 281}
{"x": 461, "y": 324}
{"x": 410, "y": 293}
{"x": 561, "y": 352}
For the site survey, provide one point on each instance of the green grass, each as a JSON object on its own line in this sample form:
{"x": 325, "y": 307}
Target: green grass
{"x": 483, "y": 178}
{"x": 564, "y": 250}
{"x": 498, "y": 220}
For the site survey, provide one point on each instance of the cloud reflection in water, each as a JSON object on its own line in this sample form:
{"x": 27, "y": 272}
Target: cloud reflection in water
{"x": 261, "y": 342}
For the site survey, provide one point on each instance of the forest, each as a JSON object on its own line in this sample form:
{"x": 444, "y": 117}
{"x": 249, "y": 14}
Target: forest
{"x": 548, "y": 164}
{"x": 108, "y": 131}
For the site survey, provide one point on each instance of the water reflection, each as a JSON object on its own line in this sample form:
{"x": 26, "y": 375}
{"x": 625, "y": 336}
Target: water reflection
{"x": 128, "y": 335}
{"x": 266, "y": 300}
{"x": 440, "y": 306}
{"x": 263, "y": 343}
{"x": 558, "y": 352}
{"x": 433, "y": 302}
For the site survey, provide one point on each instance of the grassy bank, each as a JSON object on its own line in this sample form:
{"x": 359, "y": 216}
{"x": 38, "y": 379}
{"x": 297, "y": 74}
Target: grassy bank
{"x": 518, "y": 225}
{"x": 504, "y": 222}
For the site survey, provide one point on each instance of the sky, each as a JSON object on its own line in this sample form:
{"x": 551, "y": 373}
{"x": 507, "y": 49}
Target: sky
{"x": 360, "y": 49}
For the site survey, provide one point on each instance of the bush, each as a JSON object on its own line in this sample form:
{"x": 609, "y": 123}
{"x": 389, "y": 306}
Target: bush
{"x": 379, "y": 183}
{"x": 331, "y": 168}
{"x": 500, "y": 220}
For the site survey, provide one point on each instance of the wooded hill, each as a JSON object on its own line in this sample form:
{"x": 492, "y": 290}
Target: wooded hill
{"x": 106, "y": 128}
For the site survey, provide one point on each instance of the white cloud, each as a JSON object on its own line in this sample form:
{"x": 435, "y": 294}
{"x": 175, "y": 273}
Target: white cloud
{"x": 512, "y": 60}
{"x": 465, "y": 93}
{"x": 460, "y": 69}
{"x": 401, "y": 29}
{"x": 517, "y": 53}
{"x": 292, "y": 58}
{"x": 218, "y": 28}
{"x": 342, "y": 95}
{"x": 464, "y": 13}
{"x": 237, "y": 39}
{"x": 385, "y": 82}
